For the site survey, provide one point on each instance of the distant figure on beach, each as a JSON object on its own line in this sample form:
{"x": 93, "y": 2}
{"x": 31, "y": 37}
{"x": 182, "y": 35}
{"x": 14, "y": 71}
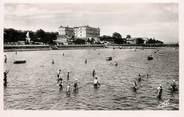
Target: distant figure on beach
{"x": 86, "y": 61}
{"x": 173, "y": 85}
{"x": 93, "y": 73}
{"x": 16, "y": 52}
{"x": 96, "y": 82}
{"x": 52, "y": 61}
{"x": 75, "y": 85}
{"x": 63, "y": 54}
{"x": 139, "y": 78}
{"x": 159, "y": 92}
{"x": 5, "y": 59}
{"x": 68, "y": 76}
{"x": 5, "y": 77}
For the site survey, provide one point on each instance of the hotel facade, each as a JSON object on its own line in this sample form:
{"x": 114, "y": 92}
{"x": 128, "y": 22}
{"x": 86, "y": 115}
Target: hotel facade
{"x": 82, "y": 32}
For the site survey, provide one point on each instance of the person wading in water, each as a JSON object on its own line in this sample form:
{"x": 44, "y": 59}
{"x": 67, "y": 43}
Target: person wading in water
{"x": 173, "y": 86}
{"x": 75, "y": 85}
{"x": 5, "y": 78}
{"x": 139, "y": 78}
{"x": 93, "y": 73}
{"x": 159, "y": 92}
{"x": 5, "y": 59}
{"x": 96, "y": 82}
{"x": 68, "y": 76}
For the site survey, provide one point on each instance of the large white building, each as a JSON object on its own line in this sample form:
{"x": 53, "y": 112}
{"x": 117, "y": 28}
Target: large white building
{"x": 82, "y": 32}
{"x": 86, "y": 32}
{"x": 67, "y": 31}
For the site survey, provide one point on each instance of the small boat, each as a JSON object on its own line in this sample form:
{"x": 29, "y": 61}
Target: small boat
{"x": 108, "y": 58}
{"x": 19, "y": 61}
{"x": 150, "y": 58}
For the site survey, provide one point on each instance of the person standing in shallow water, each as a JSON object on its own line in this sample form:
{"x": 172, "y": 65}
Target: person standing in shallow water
{"x": 68, "y": 89}
{"x": 93, "y": 73}
{"x": 68, "y": 76}
{"x": 86, "y": 61}
{"x": 159, "y": 92}
{"x": 5, "y": 78}
{"x": 5, "y": 59}
{"x": 139, "y": 78}
{"x": 96, "y": 82}
{"x": 59, "y": 76}
{"x": 173, "y": 86}
{"x": 75, "y": 85}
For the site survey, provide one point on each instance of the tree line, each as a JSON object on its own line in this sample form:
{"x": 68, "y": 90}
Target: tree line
{"x": 117, "y": 39}
{"x": 12, "y": 35}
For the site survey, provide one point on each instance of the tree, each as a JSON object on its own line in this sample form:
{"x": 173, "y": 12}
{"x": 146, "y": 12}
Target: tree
{"x": 79, "y": 41}
{"x": 153, "y": 41}
{"x": 106, "y": 38}
{"x": 118, "y": 39}
{"x": 12, "y": 35}
{"x": 40, "y": 34}
{"x": 128, "y": 36}
{"x": 116, "y": 35}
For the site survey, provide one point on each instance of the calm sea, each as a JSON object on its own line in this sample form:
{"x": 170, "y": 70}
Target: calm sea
{"x": 33, "y": 86}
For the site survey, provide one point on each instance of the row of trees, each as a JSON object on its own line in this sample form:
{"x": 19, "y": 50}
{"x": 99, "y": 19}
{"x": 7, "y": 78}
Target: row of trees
{"x": 117, "y": 39}
{"x": 12, "y": 35}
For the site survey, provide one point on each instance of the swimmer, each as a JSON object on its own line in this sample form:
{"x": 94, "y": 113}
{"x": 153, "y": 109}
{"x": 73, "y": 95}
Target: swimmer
{"x": 159, "y": 92}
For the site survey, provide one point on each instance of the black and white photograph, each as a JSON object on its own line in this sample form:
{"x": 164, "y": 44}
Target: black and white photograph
{"x": 91, "y": 56}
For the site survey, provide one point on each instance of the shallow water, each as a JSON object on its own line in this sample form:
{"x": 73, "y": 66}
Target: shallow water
{"x": 33, "y": 86}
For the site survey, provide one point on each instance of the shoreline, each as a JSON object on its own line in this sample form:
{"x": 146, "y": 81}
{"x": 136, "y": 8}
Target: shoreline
{"x": 13, "y": 48}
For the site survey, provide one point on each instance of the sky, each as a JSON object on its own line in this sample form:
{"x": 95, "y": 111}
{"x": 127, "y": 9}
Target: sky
{"x": 152, "y": 20}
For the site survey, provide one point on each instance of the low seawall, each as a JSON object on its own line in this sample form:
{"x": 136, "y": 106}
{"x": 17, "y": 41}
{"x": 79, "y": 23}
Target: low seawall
{"x": 9, "y": 48}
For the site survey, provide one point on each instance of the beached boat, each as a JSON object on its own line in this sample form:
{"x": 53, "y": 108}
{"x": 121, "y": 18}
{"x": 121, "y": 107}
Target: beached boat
{"x": 19, "y": 61}
{"x": 150, "y": 58}
{"x": 108, "y": 58}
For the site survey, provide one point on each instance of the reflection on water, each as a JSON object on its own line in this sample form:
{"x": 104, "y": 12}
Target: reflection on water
{"x": 33, "y": 85}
